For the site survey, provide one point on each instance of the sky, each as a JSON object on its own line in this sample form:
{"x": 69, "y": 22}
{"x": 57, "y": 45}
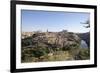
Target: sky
{"x": 36, "y": 20}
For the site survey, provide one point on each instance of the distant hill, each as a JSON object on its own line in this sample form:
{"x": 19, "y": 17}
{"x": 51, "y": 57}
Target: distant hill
{"x": 85, "y": 37}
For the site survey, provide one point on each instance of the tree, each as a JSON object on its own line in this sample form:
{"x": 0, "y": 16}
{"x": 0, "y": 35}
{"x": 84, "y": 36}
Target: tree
{"x": 87, "y": 23}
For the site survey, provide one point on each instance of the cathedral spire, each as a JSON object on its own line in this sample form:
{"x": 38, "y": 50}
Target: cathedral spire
{"x": 47, "y": 30}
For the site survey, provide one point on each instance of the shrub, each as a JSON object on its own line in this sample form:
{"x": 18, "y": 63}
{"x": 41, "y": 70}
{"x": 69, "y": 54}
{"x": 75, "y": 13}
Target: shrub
{"x": 70, "y": 47}
{"x": 26, "y": 42}
{"x": 84, "y": 54}
{"x": 40, "y": 51}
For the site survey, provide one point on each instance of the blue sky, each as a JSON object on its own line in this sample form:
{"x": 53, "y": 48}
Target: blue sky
{"x": 34, "y": 20}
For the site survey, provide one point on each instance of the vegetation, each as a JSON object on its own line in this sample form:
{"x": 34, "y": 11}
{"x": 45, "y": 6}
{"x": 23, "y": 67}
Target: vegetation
{"x": 84, "y": 54}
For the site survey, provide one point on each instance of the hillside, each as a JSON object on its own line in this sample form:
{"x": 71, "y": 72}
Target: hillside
{"x": 51, "y": 46}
